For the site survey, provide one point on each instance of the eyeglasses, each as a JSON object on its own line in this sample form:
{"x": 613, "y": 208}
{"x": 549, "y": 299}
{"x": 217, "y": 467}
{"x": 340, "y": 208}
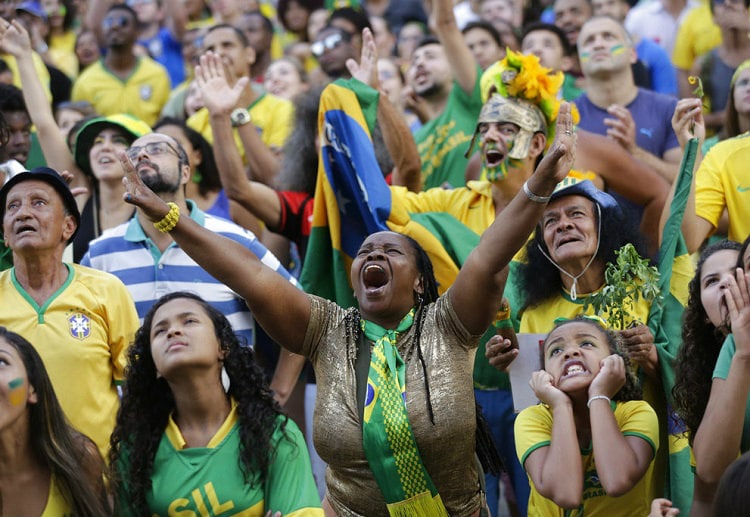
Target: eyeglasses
{"x": 328, "y": 43}
{"x": 152, "y": 149}
{"x": 119, "y": 21}
{"x": 133, "y": 3}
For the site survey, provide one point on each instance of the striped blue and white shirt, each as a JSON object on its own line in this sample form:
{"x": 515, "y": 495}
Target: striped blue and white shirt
{"x": 128, "y": 253}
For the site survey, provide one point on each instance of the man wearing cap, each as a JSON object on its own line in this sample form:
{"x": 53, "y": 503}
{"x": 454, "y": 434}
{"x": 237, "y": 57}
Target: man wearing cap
{"x": 80, "y": 320}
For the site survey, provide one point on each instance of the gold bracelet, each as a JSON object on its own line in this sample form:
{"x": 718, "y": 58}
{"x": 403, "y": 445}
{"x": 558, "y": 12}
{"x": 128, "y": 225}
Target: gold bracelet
{"x": 167, "y": 223}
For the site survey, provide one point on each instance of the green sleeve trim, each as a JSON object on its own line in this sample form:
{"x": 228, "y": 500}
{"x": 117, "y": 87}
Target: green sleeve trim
{"x": 531, "y": 449}
{"x": 642, "y": 436}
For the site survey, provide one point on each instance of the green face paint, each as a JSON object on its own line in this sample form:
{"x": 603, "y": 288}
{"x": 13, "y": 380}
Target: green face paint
{"x": 17, "y": 394}
{"x": 502, "y": 169}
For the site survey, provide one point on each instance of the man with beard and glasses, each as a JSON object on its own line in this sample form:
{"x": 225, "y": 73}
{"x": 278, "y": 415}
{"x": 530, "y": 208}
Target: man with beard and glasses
{"x": 122, "y": 82}
{"x": 148, "y": 261}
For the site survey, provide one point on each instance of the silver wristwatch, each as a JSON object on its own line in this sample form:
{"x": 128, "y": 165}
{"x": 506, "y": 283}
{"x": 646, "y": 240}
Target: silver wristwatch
{"x": 240, "y": 117}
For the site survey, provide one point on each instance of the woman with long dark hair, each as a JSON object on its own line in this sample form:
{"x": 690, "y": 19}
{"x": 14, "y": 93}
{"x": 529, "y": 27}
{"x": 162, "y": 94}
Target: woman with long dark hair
{"x": 46, "y": 466}
{"x": 185, "y": 440}
{"x": 705, "y": 326}
{"x": 724, "y": 430}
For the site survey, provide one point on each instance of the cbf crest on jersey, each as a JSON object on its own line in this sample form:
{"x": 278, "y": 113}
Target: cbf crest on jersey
{"x": 146, "y": 92}
{"x": 79, "y": 325}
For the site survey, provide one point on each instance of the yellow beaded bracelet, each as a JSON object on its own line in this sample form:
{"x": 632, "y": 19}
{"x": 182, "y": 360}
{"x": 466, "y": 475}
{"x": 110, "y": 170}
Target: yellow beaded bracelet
{"x": 167, "y": 223}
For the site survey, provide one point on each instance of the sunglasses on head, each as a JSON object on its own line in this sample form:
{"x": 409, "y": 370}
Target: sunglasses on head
{"x": 330, "y": 42}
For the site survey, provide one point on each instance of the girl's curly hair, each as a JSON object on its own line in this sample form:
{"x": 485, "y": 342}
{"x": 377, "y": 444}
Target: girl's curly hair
{"x": 540, "y": 280}
{"x": 147, "y": 402}
{"x": 701, "y": 343}
{"x": 632, "y": 388}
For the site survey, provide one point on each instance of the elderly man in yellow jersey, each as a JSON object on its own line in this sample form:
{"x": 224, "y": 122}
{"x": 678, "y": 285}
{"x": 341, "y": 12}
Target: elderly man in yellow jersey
{"x": 81, "y": 320}
{"x": 263, "y": 126}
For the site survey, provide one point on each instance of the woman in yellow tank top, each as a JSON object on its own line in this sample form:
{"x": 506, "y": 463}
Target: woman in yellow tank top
{"x": 47, "y": 468}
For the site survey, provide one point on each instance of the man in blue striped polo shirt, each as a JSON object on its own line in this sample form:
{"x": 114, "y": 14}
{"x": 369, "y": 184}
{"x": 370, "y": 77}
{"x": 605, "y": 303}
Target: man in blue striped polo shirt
{"x": 150, "y": 263}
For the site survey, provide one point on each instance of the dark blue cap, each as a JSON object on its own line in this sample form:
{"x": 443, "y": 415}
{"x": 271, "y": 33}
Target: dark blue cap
{"x": 51, "y": 177}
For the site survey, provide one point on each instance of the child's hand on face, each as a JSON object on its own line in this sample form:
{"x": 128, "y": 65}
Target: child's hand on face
{"x": 545, "y": 390}
{"x": 611, "y": 377}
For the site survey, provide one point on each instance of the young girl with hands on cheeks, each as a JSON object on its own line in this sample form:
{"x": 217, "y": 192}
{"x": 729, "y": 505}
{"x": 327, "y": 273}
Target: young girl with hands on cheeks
{"x": 589, "y": 446}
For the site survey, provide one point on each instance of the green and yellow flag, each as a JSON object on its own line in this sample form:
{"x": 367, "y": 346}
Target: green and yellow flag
{"x": 665, "y": 322}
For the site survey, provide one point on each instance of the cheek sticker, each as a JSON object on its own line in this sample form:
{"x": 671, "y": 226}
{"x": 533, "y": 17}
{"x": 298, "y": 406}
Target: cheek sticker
{"x": 17, "y": 393}
{"x": 584, "y": 56}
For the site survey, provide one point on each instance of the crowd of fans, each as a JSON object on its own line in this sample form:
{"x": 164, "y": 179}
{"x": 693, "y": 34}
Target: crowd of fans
{"x": 160, "y": 351}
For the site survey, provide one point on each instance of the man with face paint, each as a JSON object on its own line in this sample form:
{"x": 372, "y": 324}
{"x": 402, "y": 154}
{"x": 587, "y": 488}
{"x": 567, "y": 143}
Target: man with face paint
{"x": 637, "y": 119}
{"x": 512, "y": 133}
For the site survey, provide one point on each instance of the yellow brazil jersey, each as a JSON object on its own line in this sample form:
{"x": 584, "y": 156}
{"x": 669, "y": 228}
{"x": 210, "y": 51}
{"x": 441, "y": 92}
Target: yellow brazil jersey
{"x": 271, "y": 115}
{"x": 82, "y": 333}
{"x": 57, "y": 506}
{"x": 722, "y": 181}
{"x": 696, "y": 35}
{"x": 39, "y": 66}
{"x": 533, "y": 430}
{"x": 142, "y": 94}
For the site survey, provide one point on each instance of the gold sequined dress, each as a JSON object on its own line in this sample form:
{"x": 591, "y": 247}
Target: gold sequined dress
{"x": 447, "y": 447}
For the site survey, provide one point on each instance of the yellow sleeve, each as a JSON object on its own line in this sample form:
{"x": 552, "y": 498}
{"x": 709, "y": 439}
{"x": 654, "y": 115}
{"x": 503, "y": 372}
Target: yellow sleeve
{"x": 39, "y": 66}
{"x": 533, "y": 430}
{"x": 709, "y": 191}
{"x": 123, "y": 323}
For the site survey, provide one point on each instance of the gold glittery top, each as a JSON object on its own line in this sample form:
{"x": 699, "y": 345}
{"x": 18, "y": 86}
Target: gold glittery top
{"x": 447, "y": 447}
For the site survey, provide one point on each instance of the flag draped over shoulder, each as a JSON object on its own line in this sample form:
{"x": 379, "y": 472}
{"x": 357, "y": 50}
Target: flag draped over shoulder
{"x": 352, "y": 200}
{"x": 665, "y": 322}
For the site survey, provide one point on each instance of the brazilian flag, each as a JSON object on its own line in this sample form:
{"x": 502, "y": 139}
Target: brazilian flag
{"x": 352, "y": 200}
{"x": 665, "y": 323}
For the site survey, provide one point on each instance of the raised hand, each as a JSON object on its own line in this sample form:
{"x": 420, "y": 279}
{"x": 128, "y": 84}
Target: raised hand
{"x": 561, "y": 155}
{"x": 545, "y": 390}
{"x": 687, "y": 121}
{"x": 14, "y": 39}
{"x": 214, "y": 85}
{"x": 367, "y": 68}
{"x": 500, "y": 352}
{"x": 621, "y": 127}
{"x": 611, "y": 377}
{"x": 138, "y": 194}
{"x": 737, "y": 296}
{"x": 663, "y": 508}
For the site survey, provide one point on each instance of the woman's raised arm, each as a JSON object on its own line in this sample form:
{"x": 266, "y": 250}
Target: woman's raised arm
{"x": 478, "y": 289}
{"x": 282, "y": 310}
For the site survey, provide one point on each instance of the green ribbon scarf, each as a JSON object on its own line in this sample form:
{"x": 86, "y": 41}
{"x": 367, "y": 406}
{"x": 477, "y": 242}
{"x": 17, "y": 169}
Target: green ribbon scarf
{"x": 389, "y": 443}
